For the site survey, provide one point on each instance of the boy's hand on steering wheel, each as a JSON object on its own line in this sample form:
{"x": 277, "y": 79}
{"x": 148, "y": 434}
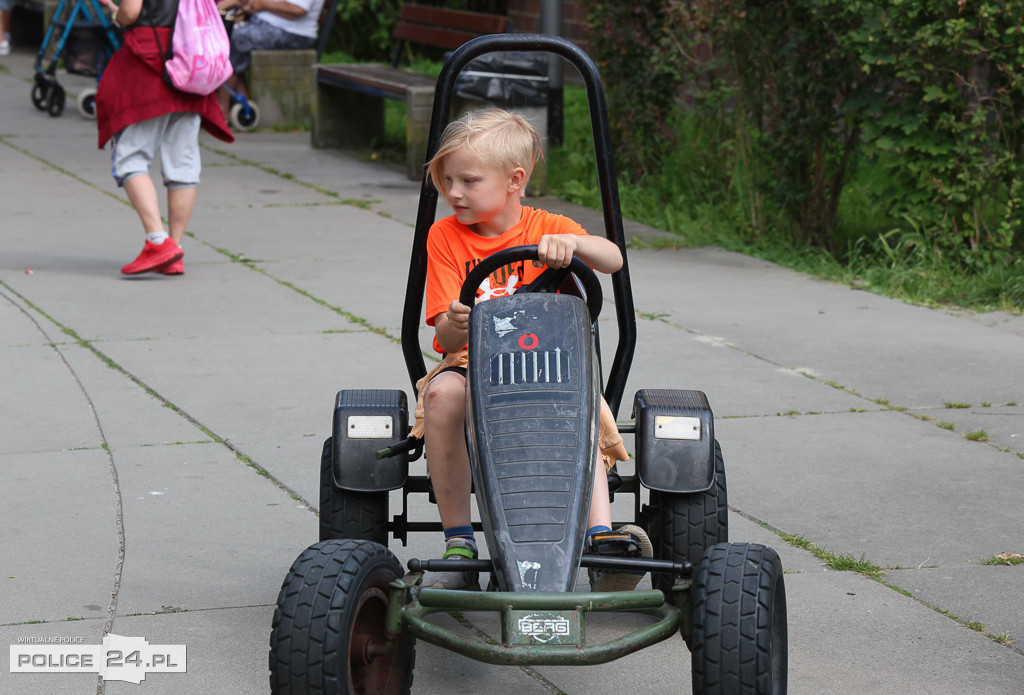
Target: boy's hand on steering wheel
{"x": 555, "y": 250}
{"x": 458, "y": 315}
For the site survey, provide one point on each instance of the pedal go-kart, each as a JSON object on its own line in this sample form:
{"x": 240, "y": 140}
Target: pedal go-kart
{"x": 347, "y": 615}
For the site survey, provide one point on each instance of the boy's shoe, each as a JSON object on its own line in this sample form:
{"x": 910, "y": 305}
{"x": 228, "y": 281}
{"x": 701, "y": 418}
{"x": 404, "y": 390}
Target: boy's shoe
{"x": 153, "y": 256}
{"x": 455, "y": 549}
{"x": 173, "y": 268}
{"x": 626, "y": 541}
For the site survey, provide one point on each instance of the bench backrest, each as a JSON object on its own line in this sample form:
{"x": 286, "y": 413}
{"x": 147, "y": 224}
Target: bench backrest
{"x": 435, "y": 26}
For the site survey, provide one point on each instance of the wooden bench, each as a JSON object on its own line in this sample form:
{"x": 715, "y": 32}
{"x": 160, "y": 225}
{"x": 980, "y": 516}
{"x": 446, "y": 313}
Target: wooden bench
{"x": 349, "y": 109}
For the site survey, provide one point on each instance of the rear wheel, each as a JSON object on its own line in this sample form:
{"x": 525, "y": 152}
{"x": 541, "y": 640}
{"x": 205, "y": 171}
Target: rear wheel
{"x": 684, "y": 525}
{"x": 328, "y": 633}
{"x": 739, "y": 642}
{"x": 348, "y": 514}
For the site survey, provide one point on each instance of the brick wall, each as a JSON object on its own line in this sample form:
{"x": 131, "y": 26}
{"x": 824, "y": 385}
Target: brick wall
{"x": 525, "y": 16}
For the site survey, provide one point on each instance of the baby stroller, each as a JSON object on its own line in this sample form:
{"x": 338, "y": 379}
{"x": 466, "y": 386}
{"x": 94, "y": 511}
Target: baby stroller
{"x": 243, "y": 112}
{"x": 84, "y": 36}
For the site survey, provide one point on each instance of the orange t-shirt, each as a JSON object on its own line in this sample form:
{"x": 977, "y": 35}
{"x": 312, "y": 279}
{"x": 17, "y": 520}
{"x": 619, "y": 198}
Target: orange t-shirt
{"x": 453, "y": 250}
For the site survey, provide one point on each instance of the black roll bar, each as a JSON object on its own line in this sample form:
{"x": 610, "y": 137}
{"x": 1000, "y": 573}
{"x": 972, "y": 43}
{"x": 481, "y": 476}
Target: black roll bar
{"x": 626, "y": 318}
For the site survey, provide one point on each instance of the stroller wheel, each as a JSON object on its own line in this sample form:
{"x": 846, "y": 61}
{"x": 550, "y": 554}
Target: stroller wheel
{"x": 244, "y": 116}
{"x": 40, "y": 94}
{"x": 87, "y": 103}
{"x": 55, "y": 104}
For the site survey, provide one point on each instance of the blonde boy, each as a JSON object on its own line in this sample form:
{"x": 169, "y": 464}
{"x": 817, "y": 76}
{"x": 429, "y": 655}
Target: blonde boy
{"x": 481, "y": 169}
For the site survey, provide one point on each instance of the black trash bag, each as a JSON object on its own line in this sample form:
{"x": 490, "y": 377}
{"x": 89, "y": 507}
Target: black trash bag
{"x": 510, "y": 78}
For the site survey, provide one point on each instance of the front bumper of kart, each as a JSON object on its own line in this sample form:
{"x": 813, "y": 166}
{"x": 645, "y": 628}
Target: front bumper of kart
{"x": 539, "y": 628}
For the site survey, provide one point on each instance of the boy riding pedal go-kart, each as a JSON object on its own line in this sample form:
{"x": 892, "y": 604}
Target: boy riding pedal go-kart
{"x": 481, "y": 169}
{"x": 517, "y": 416}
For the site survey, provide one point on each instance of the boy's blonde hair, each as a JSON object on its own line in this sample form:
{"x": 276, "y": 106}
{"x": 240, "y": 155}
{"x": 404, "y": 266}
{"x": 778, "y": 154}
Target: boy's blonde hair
{"x": 502, "y": 139}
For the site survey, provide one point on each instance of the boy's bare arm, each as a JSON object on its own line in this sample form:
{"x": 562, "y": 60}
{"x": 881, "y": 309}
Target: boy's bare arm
{"x": 452, "y": 327}
{"x": 557, "y": 250}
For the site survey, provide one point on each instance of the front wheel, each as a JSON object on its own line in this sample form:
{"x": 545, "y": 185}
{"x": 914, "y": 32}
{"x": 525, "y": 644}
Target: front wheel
{"x": 739, "y": 640}
{"x": 40, "y": 94}
{"x": 55, "y": 101}
{"x": 328, "y": 633}
{"x": 87, "y": 103}
{"x": 684, "y": 525}
{"x": 348, "y": 514}
{"x": 244, "y": 116}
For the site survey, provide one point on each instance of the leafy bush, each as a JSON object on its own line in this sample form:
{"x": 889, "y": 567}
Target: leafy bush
{"x": 947, "y": 117}
{"x": 640, "y": 68}
{"x": 876, "y": 129}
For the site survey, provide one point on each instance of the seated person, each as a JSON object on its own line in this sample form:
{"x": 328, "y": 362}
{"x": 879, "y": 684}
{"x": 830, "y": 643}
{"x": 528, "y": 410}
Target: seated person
{"x": 272, "y": 25}
{"x": 481, "y": 168}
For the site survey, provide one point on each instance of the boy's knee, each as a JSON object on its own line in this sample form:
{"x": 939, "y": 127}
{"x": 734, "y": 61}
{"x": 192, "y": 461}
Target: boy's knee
{"x": 445, "y": 392}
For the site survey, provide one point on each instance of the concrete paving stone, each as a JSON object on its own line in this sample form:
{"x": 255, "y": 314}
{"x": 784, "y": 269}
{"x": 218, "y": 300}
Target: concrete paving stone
{"x": 226, "y": 650}
{"x": 849, "y": 633}
{"x": 118, "y": 404}
{"x": 273, "y": 384}
{"x": 967, "y": 591}
{"x": 21, "y": 326}
{"x": 864, "y": 331}
{"x": 64, "y": 502}
{"x": 50, "y": 414}
{"x": 899, "y": 491}
{"x": 238, "y": 547}
{"x": 736, "y": 386}
{"x": 438, "y": 670}
{"x": 62, "y": 633}
{"x": 1003, "y": 425}
{"x": 149, "y": 305}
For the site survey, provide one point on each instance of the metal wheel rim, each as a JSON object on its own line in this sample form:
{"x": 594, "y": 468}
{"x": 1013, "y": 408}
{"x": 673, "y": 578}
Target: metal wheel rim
{"x": 369, "y": 673}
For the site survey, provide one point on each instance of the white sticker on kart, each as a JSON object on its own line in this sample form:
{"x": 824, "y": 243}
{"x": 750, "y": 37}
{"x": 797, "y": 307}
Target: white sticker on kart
{"x": 503, "y": 324}
{"x": 530, "y": 367}
{"x": 528, "y": 571}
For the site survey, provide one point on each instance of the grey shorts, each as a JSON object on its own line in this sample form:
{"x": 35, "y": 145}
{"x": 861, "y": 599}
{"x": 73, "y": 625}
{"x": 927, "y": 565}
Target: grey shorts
{"x": 257, "y": 35}
{"x": 174, "y": 135}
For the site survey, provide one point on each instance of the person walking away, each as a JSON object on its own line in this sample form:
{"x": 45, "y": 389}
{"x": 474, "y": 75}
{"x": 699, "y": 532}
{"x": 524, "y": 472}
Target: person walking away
{"x": 141, "y": 114}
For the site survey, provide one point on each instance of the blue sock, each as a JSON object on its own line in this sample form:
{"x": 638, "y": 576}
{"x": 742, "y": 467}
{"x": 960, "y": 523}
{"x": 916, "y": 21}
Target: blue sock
{"x": 600, "y": 528}
{"x": 464, "y": 532}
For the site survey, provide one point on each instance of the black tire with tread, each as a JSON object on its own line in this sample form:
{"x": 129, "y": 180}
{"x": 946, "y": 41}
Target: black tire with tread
{"x": 739, "y": 642}
{"x": 55, "y": 101}
{"x": 348, "y": 514}
{"x": 40, "y": 95}
{"x": 684, "y": 525}
{"x": 333, "y": 587}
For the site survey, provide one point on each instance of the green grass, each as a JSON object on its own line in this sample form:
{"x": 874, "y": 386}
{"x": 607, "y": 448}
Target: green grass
{"x": 1004, "y": 559}
{"x": 839, "y": 563}
{"x": 698, "y": 198}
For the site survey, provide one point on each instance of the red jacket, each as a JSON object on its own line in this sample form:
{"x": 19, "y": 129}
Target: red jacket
{"x": 132, "y": 89}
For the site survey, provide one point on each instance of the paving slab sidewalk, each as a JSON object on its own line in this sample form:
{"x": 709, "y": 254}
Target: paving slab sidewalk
{"x": 158, "y": 471}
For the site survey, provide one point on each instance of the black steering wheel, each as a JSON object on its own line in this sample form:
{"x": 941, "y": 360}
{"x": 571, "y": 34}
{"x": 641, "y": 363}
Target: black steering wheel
{"x": 548, "y": 281}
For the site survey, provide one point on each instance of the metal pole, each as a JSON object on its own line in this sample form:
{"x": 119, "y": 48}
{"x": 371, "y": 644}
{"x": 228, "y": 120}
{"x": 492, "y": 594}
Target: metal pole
{"x": 551, "y": 22}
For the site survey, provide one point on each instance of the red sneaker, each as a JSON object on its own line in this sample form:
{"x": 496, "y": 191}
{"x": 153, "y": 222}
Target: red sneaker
{"x": 152, "y": 256}
{"x": 173, "y": 268}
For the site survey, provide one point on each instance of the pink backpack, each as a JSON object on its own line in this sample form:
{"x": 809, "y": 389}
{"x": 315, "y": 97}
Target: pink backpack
{"x": 198, "y": 62}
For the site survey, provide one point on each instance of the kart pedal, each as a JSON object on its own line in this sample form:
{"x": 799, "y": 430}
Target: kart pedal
{"x": 615, "y": 544}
